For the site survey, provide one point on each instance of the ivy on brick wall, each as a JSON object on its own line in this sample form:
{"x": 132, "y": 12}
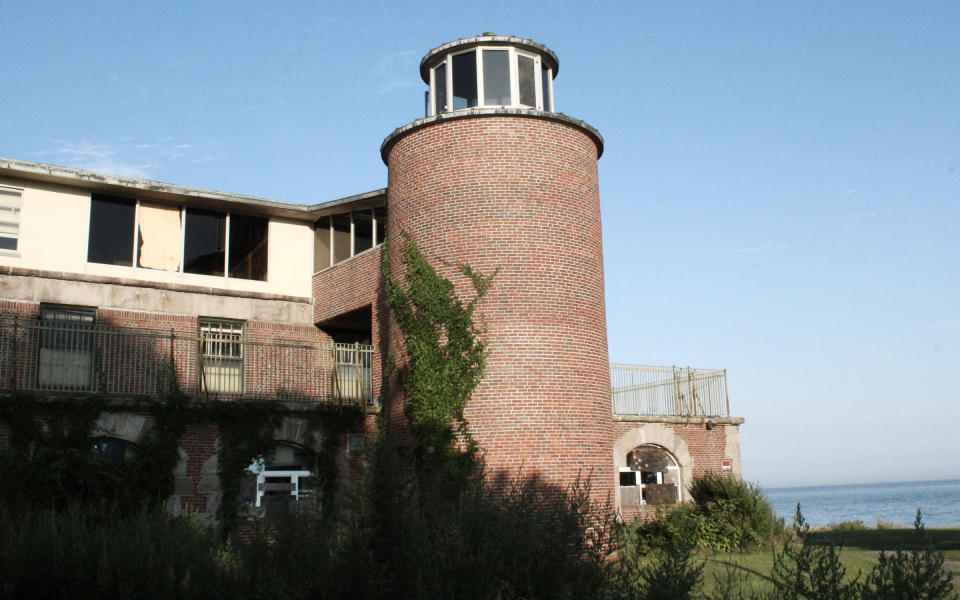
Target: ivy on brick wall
{"x": 246, "y": 434}
{"x": 51, "y": 459}
{"x": 446, "y": 349}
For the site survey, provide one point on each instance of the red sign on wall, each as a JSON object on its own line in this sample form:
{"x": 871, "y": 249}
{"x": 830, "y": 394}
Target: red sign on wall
{"x": 726, "y": 463}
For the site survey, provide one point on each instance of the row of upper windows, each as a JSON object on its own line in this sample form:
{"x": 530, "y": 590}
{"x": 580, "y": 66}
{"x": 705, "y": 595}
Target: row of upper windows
{"x": 338, "y": 237}
{"x": 129, "y": 232}
{"x": 494, "y": 76}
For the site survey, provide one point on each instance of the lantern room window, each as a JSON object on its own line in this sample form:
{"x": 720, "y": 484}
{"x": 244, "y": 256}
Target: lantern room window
{"x": 489, "y": 77}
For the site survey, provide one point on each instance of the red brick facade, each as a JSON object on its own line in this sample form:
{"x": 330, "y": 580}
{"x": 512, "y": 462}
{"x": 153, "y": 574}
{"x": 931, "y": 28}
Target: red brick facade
{"x": 518, "y": 196}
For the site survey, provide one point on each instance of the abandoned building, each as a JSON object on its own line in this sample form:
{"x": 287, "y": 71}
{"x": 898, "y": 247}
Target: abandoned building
{"x": 113, "y": 286}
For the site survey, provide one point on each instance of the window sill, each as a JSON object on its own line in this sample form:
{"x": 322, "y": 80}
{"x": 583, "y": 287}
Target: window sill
{"x": 10, "y": 253}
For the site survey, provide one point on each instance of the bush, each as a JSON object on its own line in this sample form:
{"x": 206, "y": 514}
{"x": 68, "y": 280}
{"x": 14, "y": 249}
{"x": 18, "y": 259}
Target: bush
{"x": 856, "y": 525}
{"x": 909, "y": 575}
{"x": 727, "y": 514}
{"x": 672, "y": 574}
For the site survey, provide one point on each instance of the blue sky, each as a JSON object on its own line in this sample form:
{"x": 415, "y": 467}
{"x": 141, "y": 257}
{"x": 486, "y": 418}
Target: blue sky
{"x": 780, "y": 186}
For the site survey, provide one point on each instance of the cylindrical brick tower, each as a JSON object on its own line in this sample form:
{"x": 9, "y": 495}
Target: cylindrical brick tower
{"x": 493, "y": 178}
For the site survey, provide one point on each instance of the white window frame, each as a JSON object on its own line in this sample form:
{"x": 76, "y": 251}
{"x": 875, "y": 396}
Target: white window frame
{"x": 11, "y": 199}
{"x": 513, "y": 62}
{"x": 215, "y": 336}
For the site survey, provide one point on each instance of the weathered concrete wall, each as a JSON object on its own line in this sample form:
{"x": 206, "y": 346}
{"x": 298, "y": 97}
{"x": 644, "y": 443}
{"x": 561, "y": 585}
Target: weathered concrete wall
{"x": 132, "y": 294}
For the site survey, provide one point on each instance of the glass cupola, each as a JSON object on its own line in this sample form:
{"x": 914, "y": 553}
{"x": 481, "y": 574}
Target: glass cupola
{"x": 489, "y": 71}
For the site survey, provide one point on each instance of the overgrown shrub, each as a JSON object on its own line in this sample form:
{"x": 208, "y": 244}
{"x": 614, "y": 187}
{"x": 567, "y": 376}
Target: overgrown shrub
{"x": 908, "y": 575}
{"x": 84, "y": 552}
{"x": 670, "y": 573}
{"x": 727, "y": 514}
{"x": 856, "y": 525}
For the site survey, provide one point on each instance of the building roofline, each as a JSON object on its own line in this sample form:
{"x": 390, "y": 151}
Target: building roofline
{"x": 502, "y": 111}
{"x": 145, "y": 188}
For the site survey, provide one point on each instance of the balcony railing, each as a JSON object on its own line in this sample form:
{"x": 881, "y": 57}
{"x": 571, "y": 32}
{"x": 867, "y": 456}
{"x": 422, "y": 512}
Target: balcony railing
{"x": 38, "y": 356}
{"x": 645, "y": 390}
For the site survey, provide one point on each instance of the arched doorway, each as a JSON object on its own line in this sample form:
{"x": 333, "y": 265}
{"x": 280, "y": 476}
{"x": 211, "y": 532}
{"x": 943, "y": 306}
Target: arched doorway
{"x": 651, "y": 477}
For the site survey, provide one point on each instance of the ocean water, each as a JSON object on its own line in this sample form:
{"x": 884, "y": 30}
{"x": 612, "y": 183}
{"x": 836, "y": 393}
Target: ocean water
{"x": 895, "y": 503}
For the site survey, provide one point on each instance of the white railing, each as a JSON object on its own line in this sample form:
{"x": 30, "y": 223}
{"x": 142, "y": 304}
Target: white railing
{"x": 668, "y": 391}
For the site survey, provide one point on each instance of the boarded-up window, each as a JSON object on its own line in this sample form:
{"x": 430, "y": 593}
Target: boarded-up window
{"x": 160, "y": 237}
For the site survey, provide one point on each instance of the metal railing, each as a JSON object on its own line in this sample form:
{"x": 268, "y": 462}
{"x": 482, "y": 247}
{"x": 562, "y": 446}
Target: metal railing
{"x": 44, "y": 356}
{"x": 668, "y": 391}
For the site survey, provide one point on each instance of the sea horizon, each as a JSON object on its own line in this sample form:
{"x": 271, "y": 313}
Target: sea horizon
{"x": 888, "y": 503}
{"x": 828, "y": 485}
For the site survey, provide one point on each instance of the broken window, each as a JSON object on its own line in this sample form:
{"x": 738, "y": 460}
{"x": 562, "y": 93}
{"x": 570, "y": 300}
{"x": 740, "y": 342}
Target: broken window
{"x": 110, "y": 240}
{"x": 652, "y": 476}
{"x": 66, "y": 348}
{"x": 221, "y": 344}
{"x": 248, "y": 247}
{"x": 159, "y": 237}
{"x": 282, "y": 477}
{"x": 341, "y": 237}
{"x": 362, "y": 230}
{"x": 321, "y": 244}
{"x": 380, "y": 224}
{"x": 204, "y": 243}
{"x": 115, "y": 451}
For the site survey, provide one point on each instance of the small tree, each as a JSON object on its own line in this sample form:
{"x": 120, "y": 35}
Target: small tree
{"x": 446, "y": 349}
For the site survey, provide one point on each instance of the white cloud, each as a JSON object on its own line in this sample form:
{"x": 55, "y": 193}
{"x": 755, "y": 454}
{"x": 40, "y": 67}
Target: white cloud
{"x": 127, "y": 156}
{"x": 394, "y": 70}
{"x": 93, "y": 156}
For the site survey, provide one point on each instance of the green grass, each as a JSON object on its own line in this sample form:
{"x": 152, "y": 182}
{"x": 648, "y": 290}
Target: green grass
{"x": 945, "y": 540}
{"x": 752, "y": 569}
{"x": 859, "y": 554}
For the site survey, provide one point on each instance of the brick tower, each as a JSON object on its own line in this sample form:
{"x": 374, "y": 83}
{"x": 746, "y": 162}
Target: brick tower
{"x": 494, "y": 178}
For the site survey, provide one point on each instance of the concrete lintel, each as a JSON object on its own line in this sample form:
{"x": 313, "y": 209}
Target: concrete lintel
{"x": 141, "y": 283}
{"x": 677, "y": 420}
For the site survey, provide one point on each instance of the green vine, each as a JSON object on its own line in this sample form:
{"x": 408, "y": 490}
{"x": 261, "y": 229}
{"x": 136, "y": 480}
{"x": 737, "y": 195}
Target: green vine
{"x": 51, "y": 458}
{"x": 445, "y": 348}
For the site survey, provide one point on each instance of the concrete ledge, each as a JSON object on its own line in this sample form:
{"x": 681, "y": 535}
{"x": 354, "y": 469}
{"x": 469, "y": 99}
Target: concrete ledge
{"x": 155, "y": 285}
{"x": 678, "y": 420}
{"x": 473, "y": 113}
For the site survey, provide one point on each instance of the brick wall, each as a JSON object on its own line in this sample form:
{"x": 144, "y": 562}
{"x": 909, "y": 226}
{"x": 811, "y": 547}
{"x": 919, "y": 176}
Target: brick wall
{"x": 518, "y": 196}
{"x": 350, "y": 285}
{"x": 697, "y": 449}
